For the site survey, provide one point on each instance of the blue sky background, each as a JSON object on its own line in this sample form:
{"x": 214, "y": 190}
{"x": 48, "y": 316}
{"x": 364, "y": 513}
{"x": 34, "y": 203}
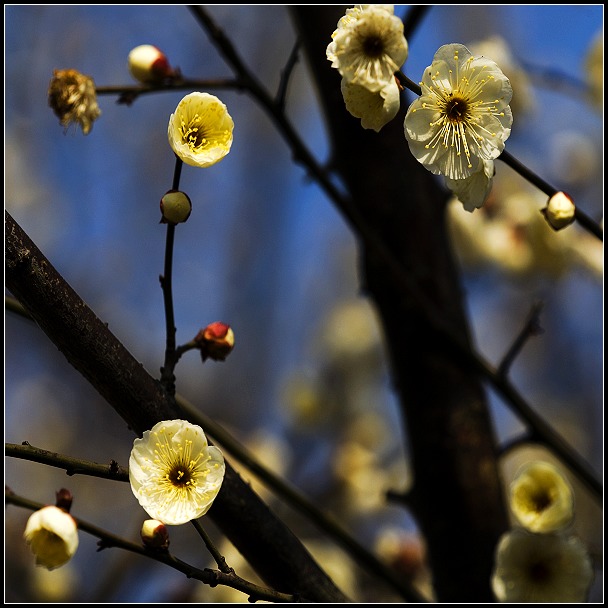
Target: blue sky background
{"x": 263, "y": 249}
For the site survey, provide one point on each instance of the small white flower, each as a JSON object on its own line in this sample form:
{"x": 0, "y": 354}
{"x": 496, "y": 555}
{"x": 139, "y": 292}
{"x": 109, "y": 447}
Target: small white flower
{"x": 473, "y": 191}
{"x": 541, "y": 568}
{"x": 560, "y": 211}
{"x": 200, "y": 130}
{"x": 368, "y": 47}
{"x": 52, "y": 535}
{"x": 374, "y": 109}
{"x": 463, "y": 115}
{"x": 541, "y": 499}
{"x": 154, "y": 534}
{"x": 174, "y": 473}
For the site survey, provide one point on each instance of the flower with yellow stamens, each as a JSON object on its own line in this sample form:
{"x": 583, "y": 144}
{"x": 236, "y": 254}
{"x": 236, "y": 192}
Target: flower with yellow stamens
{"x": 200, "y": 130}
{"x": 462, "y": 117}
{"x": 368, "y": 47}
{"x": 174, "y": 473}
{"x": 541, "y": 499}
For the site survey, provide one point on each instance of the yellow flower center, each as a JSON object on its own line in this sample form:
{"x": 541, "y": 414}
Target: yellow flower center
{"x": 193, "y": 134}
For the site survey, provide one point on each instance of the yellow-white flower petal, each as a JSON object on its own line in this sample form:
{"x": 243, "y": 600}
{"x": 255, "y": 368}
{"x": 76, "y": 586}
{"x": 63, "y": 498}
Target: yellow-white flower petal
{"x": 473, "y": 191}
{"x": 374, "y": 109}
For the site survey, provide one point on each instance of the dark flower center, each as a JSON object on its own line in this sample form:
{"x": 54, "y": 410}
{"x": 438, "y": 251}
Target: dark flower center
{"x": 373, "y": 46}
{"x": 180, "y": 476}
{"x": 456, "y": 109}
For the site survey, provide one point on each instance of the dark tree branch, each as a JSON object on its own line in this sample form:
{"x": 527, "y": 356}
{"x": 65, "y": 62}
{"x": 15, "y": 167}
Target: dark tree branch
{"x": 270, "y": 547}
{"x": 457, "y": 495}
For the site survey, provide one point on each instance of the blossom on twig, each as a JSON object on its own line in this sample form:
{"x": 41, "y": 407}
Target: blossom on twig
{"x": 174, "y": 473}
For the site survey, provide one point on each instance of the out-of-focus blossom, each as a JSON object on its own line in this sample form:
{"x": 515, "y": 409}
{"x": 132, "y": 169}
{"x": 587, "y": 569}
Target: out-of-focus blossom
{"x": 175, "y": 207}
{"x": 574, "y": 157}
{"x": 496, "y": 48}
{"x": 511, "y": 234}
{"x": 594, "y": 70}
{"x": 368, "y": 47}
{"x": 541, "y": 568}
{"x": 149, "y": 64}
{"x": 375, "y": 109}
{"x": 473, "y": 191}
{"x": 174, "y": 473}
{"x": 73, "y": 98}
{"x": 560, "y": 211}
{"x": 55, "y": 586}
{"x": 462, "y": 117}
{"x": 541, "y": 499}
{"x": 52, "y": 535}
{"x": 200, "y": 130}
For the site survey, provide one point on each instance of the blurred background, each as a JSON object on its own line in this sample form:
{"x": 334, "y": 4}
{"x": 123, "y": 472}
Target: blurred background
{"x": 307, "y": 386}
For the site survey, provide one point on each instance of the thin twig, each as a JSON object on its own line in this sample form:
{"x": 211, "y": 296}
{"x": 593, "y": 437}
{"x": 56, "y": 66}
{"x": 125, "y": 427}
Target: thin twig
{"x": 292, "y": 60}
{"x": 207, "y": 576}
{"x": 413, "y": 18}
{"x": 167, "y": 376}
{"x": 531, "y": 328}
{"x": 220, "y": 560}
{"x": 72, "y": 466}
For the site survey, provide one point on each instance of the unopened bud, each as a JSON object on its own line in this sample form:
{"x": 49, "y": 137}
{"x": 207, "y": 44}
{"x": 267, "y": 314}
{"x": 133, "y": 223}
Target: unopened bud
{"x": 560, "y": 211}
{"x": 154, "y": 534}
{"x": 175, "y": 207}
{"x": 63, "y": 500}
{"x": 149, "y": 64}
{"x": 215, "y": 341}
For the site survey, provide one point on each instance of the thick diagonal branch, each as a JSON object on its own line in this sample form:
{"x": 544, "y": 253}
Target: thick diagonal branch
{"x": 87, "y": 343}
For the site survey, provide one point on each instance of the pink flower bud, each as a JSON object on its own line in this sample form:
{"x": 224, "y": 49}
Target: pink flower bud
{"x": 215, "y": 341}
{"x": 175, "y": 207}
{"x": 149, "y": 65}
{"x": 154, "y": 534}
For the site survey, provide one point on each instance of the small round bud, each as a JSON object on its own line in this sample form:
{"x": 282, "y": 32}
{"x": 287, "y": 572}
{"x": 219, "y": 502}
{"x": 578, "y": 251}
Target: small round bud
{"x": 149, "y": 64}
{"x": 63, "y": 500}
{"x": 175, "y": 207}
{"x": 154, "y": 534}
{"x": 215, "y": 341}
{"x": 560, "y": 211}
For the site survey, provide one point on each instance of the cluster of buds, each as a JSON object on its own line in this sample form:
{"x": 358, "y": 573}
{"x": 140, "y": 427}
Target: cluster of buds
{"x": 215, "y": 341}
{"x": 149, "y": 65}
{"x": 175, "y": 207}
{"x": 52, "y": 533}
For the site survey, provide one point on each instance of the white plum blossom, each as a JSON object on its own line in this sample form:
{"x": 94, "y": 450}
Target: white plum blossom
{"x": 541, "y": 568}
{"x": 52, "y": 535}
{"x": 200, "y": 130}
{"x": 368, "y": 47}
{"x": 174, "y": 473}
{"x": 462, "y": 117}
